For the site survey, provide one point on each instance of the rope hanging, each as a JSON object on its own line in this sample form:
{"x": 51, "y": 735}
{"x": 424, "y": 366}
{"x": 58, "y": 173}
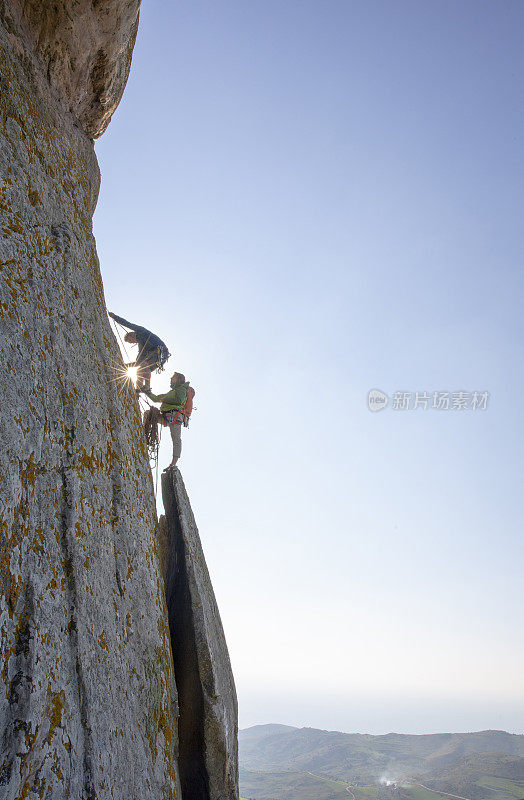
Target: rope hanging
{"x": 153, "y": 433}
{"x": 151, "y": 419}
{"x": 124, "y": 348}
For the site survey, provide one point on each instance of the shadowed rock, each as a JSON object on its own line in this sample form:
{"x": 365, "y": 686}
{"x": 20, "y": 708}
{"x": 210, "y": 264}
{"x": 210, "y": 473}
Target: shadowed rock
{"x": 208, "y": 758}
{"x": 84, "y": 48}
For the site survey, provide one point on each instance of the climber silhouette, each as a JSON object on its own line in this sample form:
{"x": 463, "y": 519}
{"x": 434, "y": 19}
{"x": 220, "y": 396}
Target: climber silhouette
{"x": 152, "y": 352}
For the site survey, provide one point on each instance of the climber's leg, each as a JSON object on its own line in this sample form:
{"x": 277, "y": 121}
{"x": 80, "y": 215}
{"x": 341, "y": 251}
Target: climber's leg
{"x": 145, "y": 374}
{"x": 145, "y": 369}
{"x": 176, "y": 436}
{"x": 139, "y": 376}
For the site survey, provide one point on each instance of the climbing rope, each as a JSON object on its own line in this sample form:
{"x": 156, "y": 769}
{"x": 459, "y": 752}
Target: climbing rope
{"x": 151, "y": 420}
{"x": 153, "y": 432}
{"x": 124, "y": 348}
{"x": 156, "y": 460}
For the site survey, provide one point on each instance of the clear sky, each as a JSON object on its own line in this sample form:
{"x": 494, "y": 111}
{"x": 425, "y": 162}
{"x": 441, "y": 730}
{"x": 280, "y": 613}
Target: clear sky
{"x": 307, "y": 200}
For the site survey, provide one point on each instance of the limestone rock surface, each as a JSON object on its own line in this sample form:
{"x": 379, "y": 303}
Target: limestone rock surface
{"x": 88, "y": 702}
{"x": 84, "y": 48}
{"x": 208, "y": 729}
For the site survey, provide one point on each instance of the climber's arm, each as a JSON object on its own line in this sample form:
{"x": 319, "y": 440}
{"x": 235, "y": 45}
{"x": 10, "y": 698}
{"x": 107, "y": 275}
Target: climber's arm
{"x": 156, "y": 398}
{"x": 123, "y": 322}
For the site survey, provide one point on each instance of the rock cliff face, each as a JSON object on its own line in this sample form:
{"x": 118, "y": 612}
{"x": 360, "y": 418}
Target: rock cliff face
{"x": 88, "y": 701}
{"x": 208, "y": 731}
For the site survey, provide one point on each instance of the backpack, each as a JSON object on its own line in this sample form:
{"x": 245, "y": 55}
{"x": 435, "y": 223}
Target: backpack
{"x": 188, "y": 405}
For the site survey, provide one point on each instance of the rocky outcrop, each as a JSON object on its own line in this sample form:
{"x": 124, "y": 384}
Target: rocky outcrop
{"x": 83, "y": 48}
{"x": 208, "y": 733}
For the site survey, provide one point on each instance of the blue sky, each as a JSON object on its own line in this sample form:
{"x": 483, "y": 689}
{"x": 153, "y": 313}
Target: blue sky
{"x": 307, "y": 201}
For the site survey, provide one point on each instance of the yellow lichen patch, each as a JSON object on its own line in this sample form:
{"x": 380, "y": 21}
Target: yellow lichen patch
{"x": 39, "y": 540}
{"x": 55, "y": 712}
{"x": 34, "y": 197}
{"x": 158, "y": 719}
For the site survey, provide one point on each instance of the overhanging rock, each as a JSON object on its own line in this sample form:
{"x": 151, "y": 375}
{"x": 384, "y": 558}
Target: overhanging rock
{"x": 83, "y": 48}
{"x": 208, "y": 728}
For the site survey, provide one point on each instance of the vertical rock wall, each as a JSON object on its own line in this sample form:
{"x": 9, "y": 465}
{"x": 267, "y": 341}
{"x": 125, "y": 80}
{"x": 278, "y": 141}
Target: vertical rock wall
{"x": 87, "y": 693}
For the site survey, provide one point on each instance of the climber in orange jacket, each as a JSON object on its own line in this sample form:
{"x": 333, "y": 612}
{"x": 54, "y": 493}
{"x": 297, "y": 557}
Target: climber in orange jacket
{"x": 176, "y": 408}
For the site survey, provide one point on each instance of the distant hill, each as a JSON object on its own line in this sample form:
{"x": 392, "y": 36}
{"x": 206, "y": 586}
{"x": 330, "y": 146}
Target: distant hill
{"x": 279, "y": 762}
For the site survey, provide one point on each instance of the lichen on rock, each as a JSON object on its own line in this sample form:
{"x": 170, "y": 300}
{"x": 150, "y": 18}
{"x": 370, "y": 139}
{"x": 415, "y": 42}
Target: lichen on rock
{"x": 82, "y": 608}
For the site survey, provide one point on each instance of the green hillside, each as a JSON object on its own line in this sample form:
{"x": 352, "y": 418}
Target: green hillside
{"x": 279, "y": 762}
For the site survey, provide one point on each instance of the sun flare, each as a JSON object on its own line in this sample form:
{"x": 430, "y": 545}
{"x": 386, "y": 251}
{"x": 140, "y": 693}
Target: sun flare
{"x": 132, "y": 374}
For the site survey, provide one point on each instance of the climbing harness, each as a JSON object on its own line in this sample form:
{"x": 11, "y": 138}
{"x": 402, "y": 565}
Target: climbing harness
{"x": 175, "y": 418}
